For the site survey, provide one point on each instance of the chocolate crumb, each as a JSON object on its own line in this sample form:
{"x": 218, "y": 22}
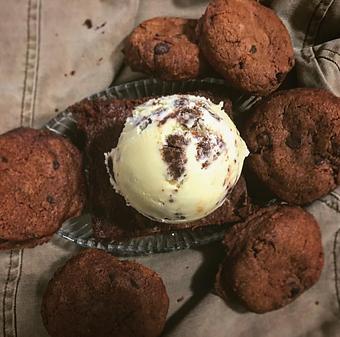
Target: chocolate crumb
{"x": 253, "y": 49}
{"x": 294, "y": 141}
{"x": 316, "y": 302}
{"x": 88, "y": 23}
{"x": 161, "y": 48}
{"x": 186, "y": 267}
{"x": 179, "y": 216}
{"x": 3, "y": 159}
{"x": 280, "y": 76}
{"x": 101, "y": 26}
{"x": 50, "y": 199}
{"x": 56, "y": 110}
{"x": 65, "y": 75}
{"x": 56, "y": 164}
{"x": 72, "y": 72}
{"x": 294, "y": 291}
{"x": 180, "y": 299}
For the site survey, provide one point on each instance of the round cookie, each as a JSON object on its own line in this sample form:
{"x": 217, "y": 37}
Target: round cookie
{"x": 107, "y": 297}
{"x": 247, "y": 44}
{"x": 271, "y": 259}
{"x": 41, "y": 185}
{"x": 165, "y": 47}
{"x": 294, "y": 140}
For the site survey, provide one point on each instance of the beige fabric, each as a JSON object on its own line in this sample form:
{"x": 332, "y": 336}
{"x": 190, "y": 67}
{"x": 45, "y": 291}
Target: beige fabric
{"x": 40, "y": 42}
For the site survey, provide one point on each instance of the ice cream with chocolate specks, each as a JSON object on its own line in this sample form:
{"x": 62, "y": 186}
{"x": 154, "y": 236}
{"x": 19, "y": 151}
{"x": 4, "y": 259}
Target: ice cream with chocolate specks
{"x": 177, "y": 158}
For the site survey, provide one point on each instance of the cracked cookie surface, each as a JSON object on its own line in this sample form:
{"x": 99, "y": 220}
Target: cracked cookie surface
{"x": 107, "y": 297}
{"x": 294, "y": 141}
{"x": 271, "y": 258}
{"x": 247, "y": 44}
{"x": 41, "y": 185}
{"x": 165, "y": 47}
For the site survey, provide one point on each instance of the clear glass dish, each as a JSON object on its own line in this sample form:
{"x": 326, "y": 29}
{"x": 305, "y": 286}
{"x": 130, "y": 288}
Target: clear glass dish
{"x": 79, "y": 230}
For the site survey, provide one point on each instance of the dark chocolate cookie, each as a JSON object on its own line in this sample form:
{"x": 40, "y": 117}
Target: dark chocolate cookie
{"x": 271, "y": 258}
{"x": 247, "y": 44}
{"x": 41, "y": 185}
{"x": 95, "y": 294}
{"x": 294, "y": 140}
{"x": 165, "y": 47}
{"x": 102, "y": 121}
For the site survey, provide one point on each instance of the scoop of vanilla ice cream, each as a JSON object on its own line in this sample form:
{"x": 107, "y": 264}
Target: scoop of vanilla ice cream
{"x": 177, "y": 158}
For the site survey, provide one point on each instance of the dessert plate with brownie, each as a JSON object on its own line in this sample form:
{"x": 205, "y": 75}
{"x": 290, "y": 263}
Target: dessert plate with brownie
{"x": 163, "y": 165}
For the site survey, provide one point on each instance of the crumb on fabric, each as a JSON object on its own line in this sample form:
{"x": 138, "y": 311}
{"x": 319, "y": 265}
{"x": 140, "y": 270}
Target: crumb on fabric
{"x": 88, "y": 23}
{"x": 180, "y": 299}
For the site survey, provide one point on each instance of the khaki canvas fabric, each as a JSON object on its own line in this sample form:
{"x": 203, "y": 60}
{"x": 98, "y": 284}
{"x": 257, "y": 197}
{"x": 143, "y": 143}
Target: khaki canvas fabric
{"x": 50, "y": 59}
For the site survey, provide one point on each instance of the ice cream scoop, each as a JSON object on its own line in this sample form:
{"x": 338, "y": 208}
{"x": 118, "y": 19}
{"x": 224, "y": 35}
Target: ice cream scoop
{"x": 177, "y": 158}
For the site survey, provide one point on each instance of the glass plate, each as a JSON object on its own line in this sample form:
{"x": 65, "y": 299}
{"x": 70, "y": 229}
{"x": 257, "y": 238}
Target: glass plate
{"x": 79, "y": 230}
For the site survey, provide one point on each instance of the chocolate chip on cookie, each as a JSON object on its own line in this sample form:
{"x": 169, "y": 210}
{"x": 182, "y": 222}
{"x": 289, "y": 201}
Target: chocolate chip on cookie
{"x": 294, "y": 140}
{"x": 271, "y": 258}
{"x": 165, "y": 47}
{"x": 41, "y": 185}
{"x": 247, "y": 44}
{"x": 95, "y": 294}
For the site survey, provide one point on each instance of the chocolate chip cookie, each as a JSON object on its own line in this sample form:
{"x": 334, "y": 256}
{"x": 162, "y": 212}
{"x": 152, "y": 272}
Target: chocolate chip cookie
{"x": 165, "y": 47}
{"x": 294, "y": 140}
{"x": 271, "y": 258}
{"x": 41, "y": 185}
{"x": 247, "y": 44}
{"x": 102, "y": 121}
{"x": 95, "y": 294}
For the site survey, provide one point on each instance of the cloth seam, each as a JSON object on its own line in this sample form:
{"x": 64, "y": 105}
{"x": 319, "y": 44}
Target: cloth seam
{"x": 4, "y": 310}
{"x": 35, "y": 84}
{"x": 16, "y": 292}
{"x": 32, "y": 62}
{"x": 26, "y": 62}
{"x": 329, "y": 59}
{"x": 336, "y": 277}
{"x": 319, "y": 12}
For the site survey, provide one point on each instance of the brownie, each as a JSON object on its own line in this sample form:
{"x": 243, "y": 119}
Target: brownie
{"x": 271, "y": 258}
{"x": 41, "y": 185}
{"x": 294, "y": 140}
{"x": 247, "y": 44}
{"x": 165, "y": 47}
{"x": 102, "y": 121}
{"x": 95, "y": 294}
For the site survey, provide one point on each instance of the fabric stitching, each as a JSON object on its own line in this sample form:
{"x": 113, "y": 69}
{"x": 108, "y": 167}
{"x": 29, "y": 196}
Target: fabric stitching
{"x": 330, "y": 50}
{"x": 336, "y": 277}
{"x": 5, "y": 294}
{"x": 26, "y": 62}
{"x": 312, "y": 18}
{"x": 30, "y": 80}
{"x": 329, "y": 59}
{"x": 38, "y": 61}
{"x": 319, "y": 24}
{"x": 319, "y": 12}
{"x": 16, "y": 292}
